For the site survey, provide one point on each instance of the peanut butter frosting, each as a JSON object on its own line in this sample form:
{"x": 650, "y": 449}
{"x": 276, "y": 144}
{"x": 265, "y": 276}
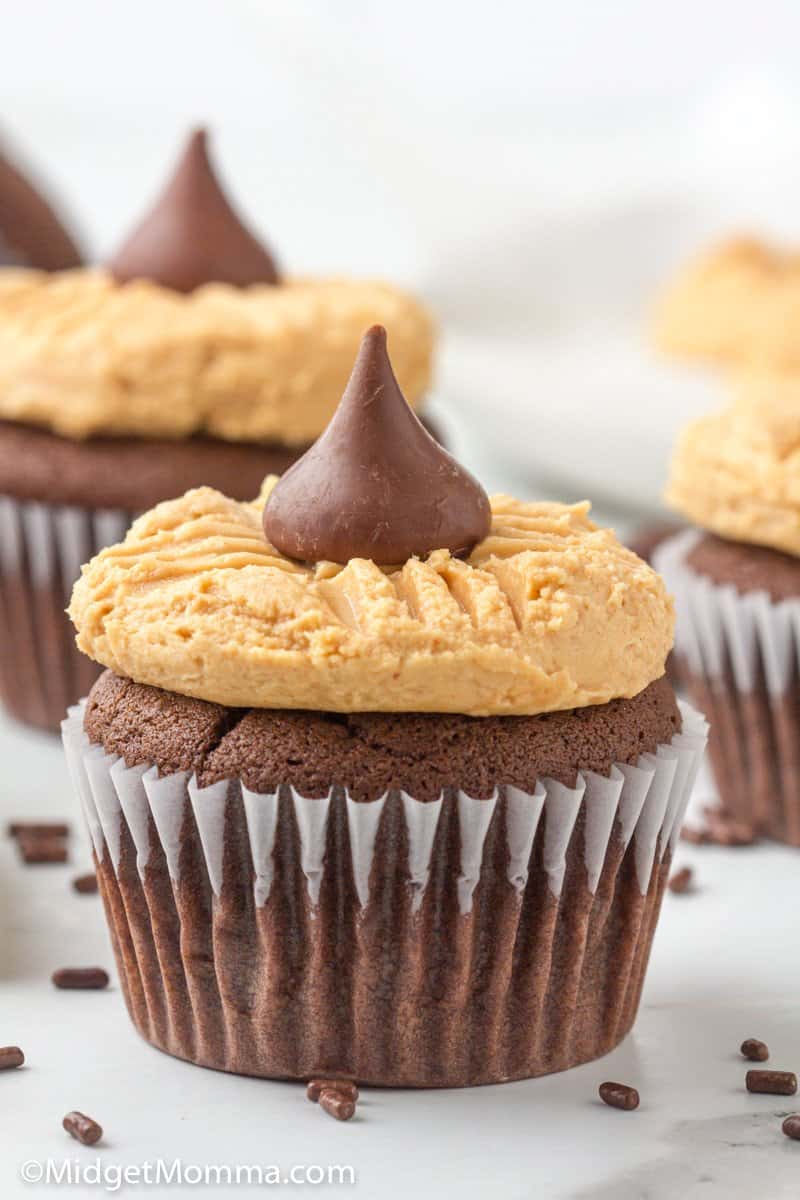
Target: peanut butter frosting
{"x": 737, "y": 472}
{"x": 549, "y": 612}
{"x": 82, "y": 355}
{"x": 739, "y": 303}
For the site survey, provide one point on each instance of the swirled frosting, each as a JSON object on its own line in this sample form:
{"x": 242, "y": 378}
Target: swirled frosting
{"x": 82, "y": 355}
{"x": 737, "y": 472}
{"x": 738, "y": 303}
{"x": 549, "y": 612}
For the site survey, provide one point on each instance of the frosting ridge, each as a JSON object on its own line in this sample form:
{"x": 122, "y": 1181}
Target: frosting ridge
{"x": 548, "y": 612}
{"x": 738, "y": 303}
{"x": 737, "y": 472}
{"x": 82, "y": 355}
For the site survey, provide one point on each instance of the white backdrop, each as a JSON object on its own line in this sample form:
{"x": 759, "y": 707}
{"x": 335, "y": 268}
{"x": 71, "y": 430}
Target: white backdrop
{"x": 534, "y": 170}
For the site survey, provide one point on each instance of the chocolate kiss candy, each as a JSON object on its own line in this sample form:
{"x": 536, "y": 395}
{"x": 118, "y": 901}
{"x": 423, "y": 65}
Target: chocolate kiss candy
{"x": 31, "y": 234}
{"x": 375, "y": 484}
{"x": 193, "y": 236}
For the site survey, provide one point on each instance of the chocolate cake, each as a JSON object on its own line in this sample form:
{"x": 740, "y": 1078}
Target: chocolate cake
{"x": 383, "y": 778}
{"x": 747, "y": 568}
{"x": 125, "y": 472}
{"x": 372, "y": 753}
{"x": 190, "y": 359}
{"x": 132, "y": 473}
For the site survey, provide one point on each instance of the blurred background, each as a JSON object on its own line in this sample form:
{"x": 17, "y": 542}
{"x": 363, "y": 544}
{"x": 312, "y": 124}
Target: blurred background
{"x": 535, "y": 171}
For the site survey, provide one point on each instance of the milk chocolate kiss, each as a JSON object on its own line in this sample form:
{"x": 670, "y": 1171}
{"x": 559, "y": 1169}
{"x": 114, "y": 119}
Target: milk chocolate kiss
{"x": 376, "y": 484}
{"x": 31, "y": 234}
{"x": 192, "y": 235}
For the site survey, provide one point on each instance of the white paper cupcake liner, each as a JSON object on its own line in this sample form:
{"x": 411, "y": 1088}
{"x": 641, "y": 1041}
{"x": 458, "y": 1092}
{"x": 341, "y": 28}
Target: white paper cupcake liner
{"x": 403, "y": 917}
{"x": 42, "y": 547}
{"x": 719, "y": 628}
{"x": 648, "y": 801}
{"x": 741, "y": 659}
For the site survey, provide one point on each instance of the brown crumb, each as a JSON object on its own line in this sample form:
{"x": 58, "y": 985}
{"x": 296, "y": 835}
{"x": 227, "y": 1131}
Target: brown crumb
{"x": 724, "y": 831}
{"x": 682, "y": 881}
{"x": 719, "y": 830}
{"x": 695, "y": 836}
{"x": 85, "y": 885}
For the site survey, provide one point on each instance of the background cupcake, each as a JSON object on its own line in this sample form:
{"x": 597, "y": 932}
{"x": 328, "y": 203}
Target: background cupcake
{"x": 736, "y": 475}
{"x": 733, "y": 306}
{"x": 190, "y": 360}
{"x": 387, "y": 788}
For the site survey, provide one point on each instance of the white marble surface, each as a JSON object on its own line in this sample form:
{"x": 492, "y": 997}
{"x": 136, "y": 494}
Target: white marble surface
{"x": 724, "y": 967}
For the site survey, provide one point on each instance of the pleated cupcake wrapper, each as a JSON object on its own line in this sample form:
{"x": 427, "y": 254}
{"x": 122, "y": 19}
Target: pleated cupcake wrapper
{"x": 720, "y": 630}
{"x": 741, "y": 655}
{"x": 110, "y": 792}
{"x": 363, "y": 891}
{"x": 42, "y": 547}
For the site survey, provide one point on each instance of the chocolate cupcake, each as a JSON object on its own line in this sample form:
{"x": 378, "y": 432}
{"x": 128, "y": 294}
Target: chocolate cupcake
{"x": 736, "y": 475}
{"x": 189, "y": 360}
{"x": 383, "y": 778}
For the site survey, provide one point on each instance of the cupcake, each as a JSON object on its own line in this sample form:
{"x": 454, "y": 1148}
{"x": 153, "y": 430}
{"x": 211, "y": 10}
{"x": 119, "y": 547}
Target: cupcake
{"x": 188, "y": 360}
{"x": 383, "y": 778}
{"x": 737, "y": 304}
{"x": 736, "y": 476}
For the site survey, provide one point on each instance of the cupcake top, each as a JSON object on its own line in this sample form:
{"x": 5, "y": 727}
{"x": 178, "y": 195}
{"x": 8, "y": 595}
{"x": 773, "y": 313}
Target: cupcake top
{"x": 737, "y": 472}
{"x": 492, "y": 607}
{"x": 738, "y": 303}
{"x": 191, "y": 330}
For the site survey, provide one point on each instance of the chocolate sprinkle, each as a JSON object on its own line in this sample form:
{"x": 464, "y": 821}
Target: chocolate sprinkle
{"x": 85, "y": 885}
{"x": 36, "y": 848}
{"x": 791, "y": 1127}
{"x": 192, "y": 235}
{"x": 82, "y": 1128}
{"x": 336, "y": 1104}
{"x": 619, "y": 1095}
{"x": 719, "y": 830}
{"x": 681, "y": 881}
{"x": 345, "y": 1087}
{"x": 695, "y": 836}
{"x": 83, "y": 978}
{"x": 54, "y": 829}
{"x": 773, "y": 1083}
{"x": 10, "y": 1057}
{"x": 754, "y": 1050}
{"x": 726, "y": 831}
{"x": 375, "y": 485}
